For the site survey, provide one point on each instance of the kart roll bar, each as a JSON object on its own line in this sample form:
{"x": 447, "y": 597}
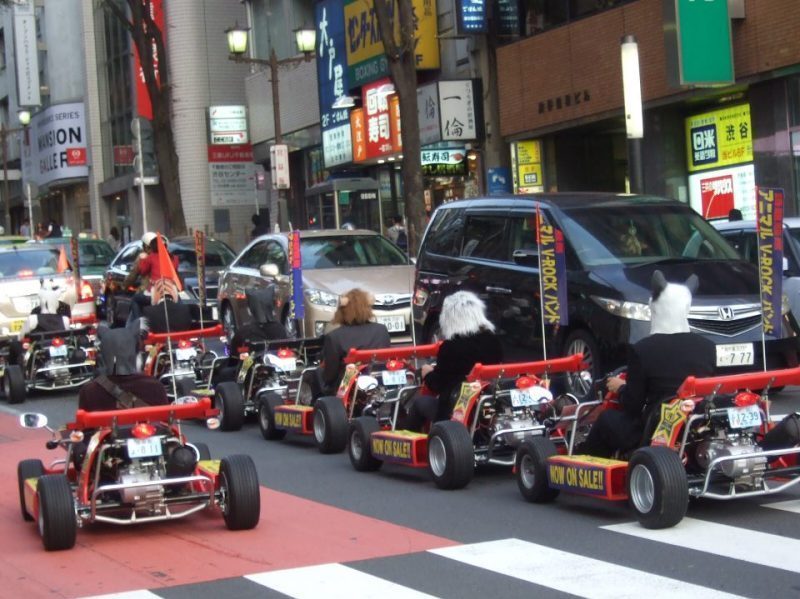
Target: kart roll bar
{"x": 153, "y": 338}
{"x": 392, "y": 353}
{"x": 483, "y": 372}
{"x": 201, "y": 409}
{"x": 696, "y": 387}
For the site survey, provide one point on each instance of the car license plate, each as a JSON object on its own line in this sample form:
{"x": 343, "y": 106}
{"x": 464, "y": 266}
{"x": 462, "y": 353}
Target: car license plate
{"x": 391, "y": 378}
{"x": 58, "y": 351}
{"x": 522, "y": 397}
{"x": 144, "y": 448}
{"x": 185, "y": 354}
{"x": 395, "y": 324}
{"x": 745, "y": 417}
{"x": 735, "y": 354}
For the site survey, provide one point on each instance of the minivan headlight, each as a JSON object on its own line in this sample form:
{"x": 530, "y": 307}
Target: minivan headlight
{"x": 319, "y": 297}
{"x": 632, "y": 310}
{"x": 785, "y": 307}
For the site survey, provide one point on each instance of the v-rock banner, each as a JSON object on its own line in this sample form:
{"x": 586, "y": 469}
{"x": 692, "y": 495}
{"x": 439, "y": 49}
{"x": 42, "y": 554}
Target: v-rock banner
{"x": 769, "y": 212}
{"x": 552, "y": 271}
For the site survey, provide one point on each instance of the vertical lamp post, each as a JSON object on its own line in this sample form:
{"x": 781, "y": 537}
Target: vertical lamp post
{"x": 24, "y": 117}
{"x": 237, "y": 47}
{"x": 634, "y": 121}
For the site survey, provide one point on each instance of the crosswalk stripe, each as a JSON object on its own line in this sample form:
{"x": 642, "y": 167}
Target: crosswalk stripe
{"x": 571, "y": 573}
{"x": 333, "y": 581}
{"x": 733, "y": 542}
{"x": 793, "y": 505}
{"x": 126, "y": 595}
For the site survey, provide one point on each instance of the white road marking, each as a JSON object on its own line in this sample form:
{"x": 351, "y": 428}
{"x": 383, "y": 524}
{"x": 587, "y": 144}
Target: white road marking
{"x": 571, "y": 573}
{"x": 793, "y": 505}
{"x": 733, "y": 542}
{"x": 333, "y": 581}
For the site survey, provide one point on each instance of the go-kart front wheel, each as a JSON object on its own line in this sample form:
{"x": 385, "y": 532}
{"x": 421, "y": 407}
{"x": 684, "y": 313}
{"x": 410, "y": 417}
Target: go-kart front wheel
{"x": 531, "y": 469}
{"x": 266, "y": 416}
{"x": 657, "y": 487}
{"x": 241, "y": 497}
{"x": 330, "y": 425}
{"x": 57, "y": 520}
{"x": 359, "y": 442}
{"x": 27, "y": 469}
{"x": 14, "y": 384}
{"x": 230, "y": 402}
{"x": 451, "y": 459}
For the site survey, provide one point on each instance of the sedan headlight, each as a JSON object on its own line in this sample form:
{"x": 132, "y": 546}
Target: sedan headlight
{"x": 319, "y": 297}
{"x": 785, "y": 306}
{"x": 632, "y": 310}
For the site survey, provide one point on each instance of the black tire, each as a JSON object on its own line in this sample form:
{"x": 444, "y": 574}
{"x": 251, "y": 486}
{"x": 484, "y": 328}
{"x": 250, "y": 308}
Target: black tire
{"x": 14, "y": 384}
{"x": 359, "y": 443}
{"x": 242, "y": 497}
{"x": 203, "y": 451}
{"x": 57, "y": 523}
{"x": 27, "y": 469}
{"x": 230, "y": 402}
{"x": 581, "y": 341}
{"x": 330, "y": 425}
{"x": 451, "y": 460}
{"x": 266, "y": 416}
{"x": 229, "y": 324}
{"x": 531, "y": 469}
{"x": 657, "y": 487}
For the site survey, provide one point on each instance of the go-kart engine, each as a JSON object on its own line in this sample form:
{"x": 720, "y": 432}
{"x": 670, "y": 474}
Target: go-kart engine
{"x": 710, "y": 449}
{"x": 515, "y": 424}
{"x": 141, "y": 471}
{"x": 57, "y": 373}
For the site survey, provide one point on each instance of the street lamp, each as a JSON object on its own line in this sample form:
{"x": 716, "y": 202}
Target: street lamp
{"x": 634, "y": 121}
{"x": 24, "y": 117}
{"x": 237, "y": 46}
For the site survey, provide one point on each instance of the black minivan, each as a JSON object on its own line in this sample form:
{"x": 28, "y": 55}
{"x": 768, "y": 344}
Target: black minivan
{"x": 613, "y": 245}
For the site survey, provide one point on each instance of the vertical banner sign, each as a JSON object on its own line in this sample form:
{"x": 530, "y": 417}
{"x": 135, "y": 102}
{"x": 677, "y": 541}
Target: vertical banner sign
{"x": 26, "y": 54}
{"x": 200, "y": 250}
{"x": 143, "y": 106}
{"x": 297, "y": 309}
{"x": 552, "y": 272}
{"x": 76, "y": 265}
{"x": 359, "y": 133}
{"x": 378, "y": 121}
{"x": 769, "y": 210}
{"x": 698, "y": 41}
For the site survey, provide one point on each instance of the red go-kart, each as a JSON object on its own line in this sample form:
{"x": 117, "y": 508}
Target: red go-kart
{"x": 132, "y": 466}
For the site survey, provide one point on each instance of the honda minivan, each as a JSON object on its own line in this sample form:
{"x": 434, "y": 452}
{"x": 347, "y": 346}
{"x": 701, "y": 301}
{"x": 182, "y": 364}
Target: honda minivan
{"x": 613, "y": 243}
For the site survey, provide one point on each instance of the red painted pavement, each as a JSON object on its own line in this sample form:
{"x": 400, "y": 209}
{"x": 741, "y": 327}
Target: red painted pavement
{"x": 292, "y": 532}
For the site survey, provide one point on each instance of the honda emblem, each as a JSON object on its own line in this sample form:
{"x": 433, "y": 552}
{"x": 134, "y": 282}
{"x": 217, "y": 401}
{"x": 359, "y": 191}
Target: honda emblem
{"x": 725, "y": 313}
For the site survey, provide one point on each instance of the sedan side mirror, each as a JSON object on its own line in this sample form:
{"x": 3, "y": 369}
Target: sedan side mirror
{"x": 269, "y": 270}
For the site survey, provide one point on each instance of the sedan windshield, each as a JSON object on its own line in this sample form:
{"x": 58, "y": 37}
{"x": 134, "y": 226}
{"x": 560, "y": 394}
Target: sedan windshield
{"x": 29, "y": 263}
{"x": 349, "y": 251}
{"x": 218, "y": 255}
{"x": 642, "y": 234}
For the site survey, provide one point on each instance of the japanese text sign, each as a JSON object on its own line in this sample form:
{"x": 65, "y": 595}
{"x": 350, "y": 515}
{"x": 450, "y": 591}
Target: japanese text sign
{"x": 769, "y": 210}
{"x": 552, "y": 272}
{"x": 719, "y": 138}
{"x": 378, "y": 120}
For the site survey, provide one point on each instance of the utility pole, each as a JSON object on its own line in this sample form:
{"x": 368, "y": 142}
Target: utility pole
{"x": 136, "y": 129}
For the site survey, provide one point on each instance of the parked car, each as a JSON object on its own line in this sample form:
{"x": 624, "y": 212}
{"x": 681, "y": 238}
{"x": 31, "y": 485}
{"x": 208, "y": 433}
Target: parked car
{"x": 489, "y": 246}
{"x": 218, "y": 256}
{"x": 94, "y": 256}
{"x": 741, "y": 234}
{"x": 333, "y": 262}
{"x": 22, "y": 270}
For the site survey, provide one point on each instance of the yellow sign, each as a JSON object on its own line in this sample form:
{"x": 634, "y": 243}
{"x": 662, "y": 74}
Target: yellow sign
{"x": 719, "y": 138}
{"x": 526, "y": 157}
{"x": 671, "y": 418}
{"x": 587, "y": 479}
{"x": 289, "y": 419}
{"x": 528, "y": 152}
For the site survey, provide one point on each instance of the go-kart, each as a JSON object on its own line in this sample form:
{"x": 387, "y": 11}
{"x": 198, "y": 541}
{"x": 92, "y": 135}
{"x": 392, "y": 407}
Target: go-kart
{"x": 704, "y": 444}
{"x": 129, "y": 467}
{"x": 58, "y": 360}
{"x": 13, "y": 379}
{"x": 369, "y": 374}
{"x": 267, "y": 373}
{"x": 497, "y": 408}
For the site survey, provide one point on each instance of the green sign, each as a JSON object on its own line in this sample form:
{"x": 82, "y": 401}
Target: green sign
{"x": 702, "y": 36}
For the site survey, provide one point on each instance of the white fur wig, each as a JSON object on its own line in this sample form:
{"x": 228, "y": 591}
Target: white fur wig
{"x": 463, "y": 313}
{"x": 670, "y": 304}
{"x": 49, "y": 296}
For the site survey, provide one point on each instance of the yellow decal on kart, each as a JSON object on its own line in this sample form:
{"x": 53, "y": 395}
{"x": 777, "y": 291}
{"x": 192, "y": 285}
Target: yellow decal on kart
{"x": 672, "y": 417}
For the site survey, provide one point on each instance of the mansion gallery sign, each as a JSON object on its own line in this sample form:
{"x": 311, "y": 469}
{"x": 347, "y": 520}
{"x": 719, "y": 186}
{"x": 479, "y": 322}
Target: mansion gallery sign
{"x": 54, "y": 147}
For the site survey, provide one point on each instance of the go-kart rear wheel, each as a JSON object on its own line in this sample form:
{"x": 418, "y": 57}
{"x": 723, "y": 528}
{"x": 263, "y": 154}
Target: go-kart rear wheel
{"x": 451, "y": 459}
{"x": 14, "y": 384}
{"x": 330, "y": 425}
{"x": 241, "y": 498}
{"x": 531, "y": 469}
{"x": 27, "y": 469}
{"x": 57, "y": 524}
{"x": 230, "y": 402}
{"x": 203, "y": 452}
{"x": 266, "y": 416}
{"x": 657, "y": 487}
{"x": 359, "y": 444}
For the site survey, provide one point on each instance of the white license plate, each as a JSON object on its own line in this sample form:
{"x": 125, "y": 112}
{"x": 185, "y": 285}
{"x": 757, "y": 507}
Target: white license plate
{"x": 58, "y": 351}
{"x": 144, "y": 448}
{"x": 285, "y": 364}
{"x": 522, "y": 397}
{"x": 391, "y": 378}
{"x": 735, "y": 354}
{"x": 746, "y": 417}
{"x": 185, "y": 354}
{"x": 395, "y": 324}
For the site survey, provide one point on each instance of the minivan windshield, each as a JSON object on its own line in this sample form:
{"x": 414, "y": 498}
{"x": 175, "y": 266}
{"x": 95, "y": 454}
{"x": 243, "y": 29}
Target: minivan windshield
{"x": 641, "y": 234}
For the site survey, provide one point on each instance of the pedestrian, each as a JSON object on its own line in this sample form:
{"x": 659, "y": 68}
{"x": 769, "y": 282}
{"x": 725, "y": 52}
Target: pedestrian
{"x": 397, "y": 233}
{"x": 735, "y": 214}
{"x": 53, "y": 229}
{"x": 41, "y": 232}
{"x": 25, "y": 228}
{"x": 113, "y": 239}
{"x": 260, "y": 225}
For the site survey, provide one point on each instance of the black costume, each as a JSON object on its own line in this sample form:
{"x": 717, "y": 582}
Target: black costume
{"x": 178, "y": 316}
{"x": 336, "y": 344}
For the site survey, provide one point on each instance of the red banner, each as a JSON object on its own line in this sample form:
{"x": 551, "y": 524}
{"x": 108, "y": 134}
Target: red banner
{"x": 357, "y": 129}
{"x": 377, "y": 117}
{"x": 143, "y": 106}
{"x": 225, "y": 153}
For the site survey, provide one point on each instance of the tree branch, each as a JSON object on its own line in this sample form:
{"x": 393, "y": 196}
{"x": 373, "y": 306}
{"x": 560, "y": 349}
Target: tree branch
{"x": 386, "y": 25}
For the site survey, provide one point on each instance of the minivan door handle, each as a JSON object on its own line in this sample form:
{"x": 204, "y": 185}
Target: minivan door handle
{"x": 500, "y": 290}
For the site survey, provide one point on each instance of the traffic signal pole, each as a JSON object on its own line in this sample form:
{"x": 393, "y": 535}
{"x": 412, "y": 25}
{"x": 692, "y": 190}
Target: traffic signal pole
{"x": 137, "y": 133}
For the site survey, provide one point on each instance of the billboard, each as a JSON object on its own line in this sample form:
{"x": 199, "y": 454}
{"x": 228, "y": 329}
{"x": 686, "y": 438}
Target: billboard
{"x": 54, "y": 147}
{"x": 719, "y": 138}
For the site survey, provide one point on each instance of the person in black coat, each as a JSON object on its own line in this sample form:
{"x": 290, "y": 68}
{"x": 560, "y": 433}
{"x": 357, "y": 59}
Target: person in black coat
{"x": 469, "y": 339}
{"x": 657, "y": 366}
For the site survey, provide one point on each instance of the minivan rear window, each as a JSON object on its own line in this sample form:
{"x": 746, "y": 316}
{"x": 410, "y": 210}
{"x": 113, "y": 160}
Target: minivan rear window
{"x": 444, "y": 233}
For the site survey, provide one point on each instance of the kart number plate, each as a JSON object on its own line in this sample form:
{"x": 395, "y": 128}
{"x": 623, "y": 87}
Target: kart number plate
{"x": 16, "y": 325}
{"x": 735, "y": 354}
{"x": 746, "y": 417}
{"x": 522, "y": 397}
{"x": 59, "y": 351}
{"x": 395, "y": 324}
{"x": 184, "y": 354}
{"x": 285, "y": 364}
{"x": 144, "y": 448}
{"x": 393, "y": 377}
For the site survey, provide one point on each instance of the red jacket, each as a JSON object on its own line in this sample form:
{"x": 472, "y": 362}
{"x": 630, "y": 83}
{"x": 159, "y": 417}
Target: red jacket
{"x": 150, "y": 266}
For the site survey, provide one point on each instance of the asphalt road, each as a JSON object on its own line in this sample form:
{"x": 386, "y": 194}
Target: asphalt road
{"x": 394, "y": 534}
